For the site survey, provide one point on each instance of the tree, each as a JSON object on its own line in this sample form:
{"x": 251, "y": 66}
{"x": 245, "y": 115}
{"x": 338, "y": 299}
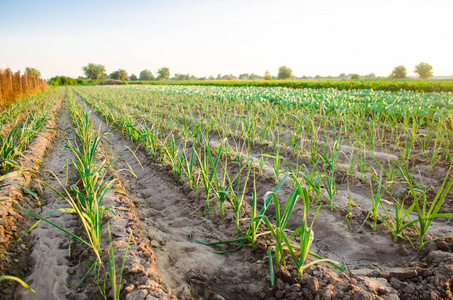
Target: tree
{"x": 119, "y": 75}
{"x": 244, "y": 76}
{"x": 370, "y": 76}
{"x": 181, "y": 76}
{"x": 424, "y": 70}
{"x": 355, "y": 76}
{"x": 164, "y": 73}
{"x": 219, "y": 76}
{"x": 398, "y": 72}
{"x": 146, "y": 75}
{"x": 343, "y": 76}
{"x": 284, "y": 72}
{"x": 254, "y": 76}
{"x": 133, "y": 77}
{"x": 32, "y": 72}
{"x": 122, "y": 74}
{"x": 267, "y": 75}
{"x": 93, "y": 71}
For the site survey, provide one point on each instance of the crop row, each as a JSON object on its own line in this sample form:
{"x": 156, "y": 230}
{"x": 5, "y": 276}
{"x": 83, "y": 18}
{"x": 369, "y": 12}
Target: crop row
{"x": 381, "y": 85}
{"x": 21, "y": 122}
{"x": 354, "y": 148}
{"x": 395, "y": 106}
{"x": 33, "y": 132}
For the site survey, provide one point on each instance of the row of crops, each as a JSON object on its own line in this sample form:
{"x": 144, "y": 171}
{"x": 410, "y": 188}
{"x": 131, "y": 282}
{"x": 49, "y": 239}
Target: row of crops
{"x": 22, "y": 152}
{"x": 397, "y": 106}
{"x": 382, "y": 85}
{"x": 203, "y": 132}
{"x": 20, "y": 125}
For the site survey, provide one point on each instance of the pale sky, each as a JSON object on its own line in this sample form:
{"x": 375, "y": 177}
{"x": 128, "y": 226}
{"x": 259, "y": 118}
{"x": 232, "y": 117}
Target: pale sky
{"x": 229, "y": 37}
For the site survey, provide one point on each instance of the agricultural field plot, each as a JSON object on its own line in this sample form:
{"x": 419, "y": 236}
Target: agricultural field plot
{"x": 228, "y": 193}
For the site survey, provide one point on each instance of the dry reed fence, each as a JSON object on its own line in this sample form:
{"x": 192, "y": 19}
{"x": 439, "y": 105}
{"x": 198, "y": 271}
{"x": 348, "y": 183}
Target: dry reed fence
{"x": 14, "y": 86}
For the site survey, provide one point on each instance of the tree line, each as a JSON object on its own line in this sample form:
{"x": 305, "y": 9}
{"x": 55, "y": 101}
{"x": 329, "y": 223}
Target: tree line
{"x": 98, "y": 72}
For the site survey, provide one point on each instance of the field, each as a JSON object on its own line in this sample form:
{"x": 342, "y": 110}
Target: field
{"x": 205, "y": 192}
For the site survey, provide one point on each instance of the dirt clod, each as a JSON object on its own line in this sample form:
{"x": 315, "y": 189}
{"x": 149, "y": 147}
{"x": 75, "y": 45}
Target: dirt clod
{"x": 310, "y": 282}
{"x": 137, "y": 295}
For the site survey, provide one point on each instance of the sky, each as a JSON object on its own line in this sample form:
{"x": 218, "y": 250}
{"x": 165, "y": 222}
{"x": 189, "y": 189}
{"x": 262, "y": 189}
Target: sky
{"x": 201, "y": 37}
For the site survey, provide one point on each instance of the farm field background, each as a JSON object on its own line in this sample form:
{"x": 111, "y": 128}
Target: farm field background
{"x": 381, "y": 85}
{"x": 322, "y": 193}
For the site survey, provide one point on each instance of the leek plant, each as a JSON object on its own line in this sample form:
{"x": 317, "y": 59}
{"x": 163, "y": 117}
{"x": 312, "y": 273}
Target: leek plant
{"x": 398, "y": 222}
{"x": 426, "y": 211}
{"x": 208, "y": 171}
{"x": 282, "y": 218}
{"x": 375, "y": 203}
{"x": 328, "y": 183}
{"x": 306, "y": 236}
{"x": 236, "y": 197}
{"x": 189, "y": 168}
{"x": 7, "y": 277}
{"x": 115, "y": 281}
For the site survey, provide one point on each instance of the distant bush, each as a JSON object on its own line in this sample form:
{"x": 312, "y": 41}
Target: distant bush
{"x": 63, "y": 80}
{"x": 111, "y": 82}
